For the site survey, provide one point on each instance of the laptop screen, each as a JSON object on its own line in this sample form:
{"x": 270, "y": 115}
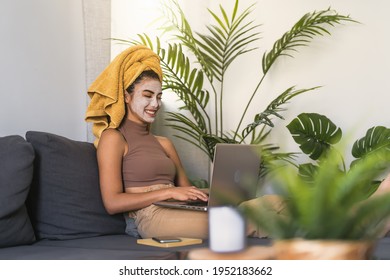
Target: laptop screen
{"x": 234, "y": 177}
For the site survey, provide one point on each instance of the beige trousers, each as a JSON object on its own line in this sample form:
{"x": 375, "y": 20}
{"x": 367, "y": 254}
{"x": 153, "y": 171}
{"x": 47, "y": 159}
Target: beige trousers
{"x": 159, "y": 221}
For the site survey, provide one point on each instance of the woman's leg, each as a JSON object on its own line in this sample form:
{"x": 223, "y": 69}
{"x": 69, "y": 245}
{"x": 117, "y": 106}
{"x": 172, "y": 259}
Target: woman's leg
{"x": 159, "y": 221}
{"x": 384, "y": 188}
{"x": 265, "y": 204}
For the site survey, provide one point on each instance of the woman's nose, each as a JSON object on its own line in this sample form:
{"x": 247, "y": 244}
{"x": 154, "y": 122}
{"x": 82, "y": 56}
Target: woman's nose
{"x": 155, "y": 102}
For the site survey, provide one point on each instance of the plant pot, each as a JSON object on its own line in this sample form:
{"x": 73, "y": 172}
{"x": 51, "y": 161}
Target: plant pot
{"x": 301, "y": 249}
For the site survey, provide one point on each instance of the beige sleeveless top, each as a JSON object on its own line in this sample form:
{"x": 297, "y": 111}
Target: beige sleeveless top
{"x": 146, "y": 162}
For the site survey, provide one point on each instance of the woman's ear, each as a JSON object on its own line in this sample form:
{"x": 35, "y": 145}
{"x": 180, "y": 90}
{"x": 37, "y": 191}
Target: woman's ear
{"x": 127, "y": 97}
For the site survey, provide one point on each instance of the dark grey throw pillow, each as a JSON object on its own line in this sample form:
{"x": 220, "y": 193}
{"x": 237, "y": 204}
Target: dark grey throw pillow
{"x": 65, "y": 200}
{"x": 16, "y": 171}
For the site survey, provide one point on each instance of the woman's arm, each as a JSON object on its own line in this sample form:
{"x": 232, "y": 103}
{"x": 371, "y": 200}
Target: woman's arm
{"x": 111, "y": 149}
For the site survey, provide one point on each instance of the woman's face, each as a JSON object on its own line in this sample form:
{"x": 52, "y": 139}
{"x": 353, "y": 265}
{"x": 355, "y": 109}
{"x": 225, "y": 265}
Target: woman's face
{"x": 145, "y": 101}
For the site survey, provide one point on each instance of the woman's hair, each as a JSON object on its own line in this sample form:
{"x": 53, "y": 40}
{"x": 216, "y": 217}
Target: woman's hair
{"x": 146, "y": 74}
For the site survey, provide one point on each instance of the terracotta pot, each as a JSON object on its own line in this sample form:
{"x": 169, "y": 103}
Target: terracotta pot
{"x": 301, "y": 249}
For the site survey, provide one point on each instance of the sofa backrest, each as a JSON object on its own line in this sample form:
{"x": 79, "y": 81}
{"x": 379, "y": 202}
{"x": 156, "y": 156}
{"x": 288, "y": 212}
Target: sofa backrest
{"x": 49, "y": 189}
{"x": 65, "y": 201}
{"x": 16, "y": 171}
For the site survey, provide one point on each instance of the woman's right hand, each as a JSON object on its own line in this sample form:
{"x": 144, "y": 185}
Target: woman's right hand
{"x": 187, "y": 193}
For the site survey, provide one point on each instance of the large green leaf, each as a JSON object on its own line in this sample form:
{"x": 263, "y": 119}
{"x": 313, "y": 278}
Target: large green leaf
{"x": 178, "y": 25}
{"x": 309, "y": 26}
{"x": 228, "y": 38}
{"x": 273, "y": 109}
{"x": 307, "y": 171}
{"x": 376, "y": 138}
{"x": 314, "y": 133}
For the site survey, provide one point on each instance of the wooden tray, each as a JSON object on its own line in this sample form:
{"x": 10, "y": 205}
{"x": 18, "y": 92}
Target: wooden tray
{"x": 183, "y": 242}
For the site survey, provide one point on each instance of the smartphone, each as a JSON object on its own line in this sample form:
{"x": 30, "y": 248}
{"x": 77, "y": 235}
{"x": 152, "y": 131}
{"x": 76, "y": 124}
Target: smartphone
{"x": 166, "y": 239}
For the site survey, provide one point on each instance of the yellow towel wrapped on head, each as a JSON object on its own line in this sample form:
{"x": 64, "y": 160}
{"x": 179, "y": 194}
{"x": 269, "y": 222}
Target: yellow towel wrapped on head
{"x": 107, "y": 106}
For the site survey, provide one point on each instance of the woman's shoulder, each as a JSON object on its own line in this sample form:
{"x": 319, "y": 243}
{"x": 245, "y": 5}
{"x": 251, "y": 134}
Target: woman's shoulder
{"x": 167, "y": 144}
{"x": 163, "y": 140}
{"x": 112, "y": 137}
{"x": 111, "y": 133}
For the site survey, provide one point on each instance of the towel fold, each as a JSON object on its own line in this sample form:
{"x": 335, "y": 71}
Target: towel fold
{"x": 107, "y": 106}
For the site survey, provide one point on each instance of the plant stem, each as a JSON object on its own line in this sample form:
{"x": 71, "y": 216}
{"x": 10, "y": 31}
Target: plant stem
{"x": 247, "y": 106}
{"x": 221, "y": 107}
{"x": 215, "y": 107}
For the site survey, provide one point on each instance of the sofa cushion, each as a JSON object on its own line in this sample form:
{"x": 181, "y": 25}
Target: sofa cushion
{"x": 65, "y": 200}
{"x": 16, "y": 171}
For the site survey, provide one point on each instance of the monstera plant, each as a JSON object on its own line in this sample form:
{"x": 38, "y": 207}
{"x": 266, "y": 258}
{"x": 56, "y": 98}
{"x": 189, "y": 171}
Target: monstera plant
{"x": 317, "y": 135}
{"x": 195, "y": 66}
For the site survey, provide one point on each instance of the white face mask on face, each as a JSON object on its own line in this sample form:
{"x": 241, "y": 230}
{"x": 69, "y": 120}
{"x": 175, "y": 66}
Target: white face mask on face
{"x": 145, "y": 101}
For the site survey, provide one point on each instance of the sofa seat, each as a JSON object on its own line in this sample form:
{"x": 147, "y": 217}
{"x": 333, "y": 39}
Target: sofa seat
{"x": 111, "y": 247}
{"x": 124, "y": 247}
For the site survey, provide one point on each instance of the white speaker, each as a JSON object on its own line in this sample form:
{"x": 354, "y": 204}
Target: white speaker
{"x": 227, "y": 229}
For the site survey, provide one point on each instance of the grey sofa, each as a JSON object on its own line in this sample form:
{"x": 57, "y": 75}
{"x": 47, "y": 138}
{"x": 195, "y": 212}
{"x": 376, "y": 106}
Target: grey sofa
{"x": 51, "y": 208}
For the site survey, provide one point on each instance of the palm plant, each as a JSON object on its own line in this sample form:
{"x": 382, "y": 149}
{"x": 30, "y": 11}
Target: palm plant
{"x": 201, "y": 84}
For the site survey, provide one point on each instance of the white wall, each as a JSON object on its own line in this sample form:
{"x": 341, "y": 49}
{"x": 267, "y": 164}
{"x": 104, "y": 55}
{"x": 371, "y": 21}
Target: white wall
{"x": 42, "y": 67}
{"x": 352, "y": 65}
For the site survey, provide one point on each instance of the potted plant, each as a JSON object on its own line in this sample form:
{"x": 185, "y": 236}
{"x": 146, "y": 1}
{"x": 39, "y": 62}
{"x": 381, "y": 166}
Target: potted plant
{"x": 330, "y": 211}
{"x": 195, "y": 66}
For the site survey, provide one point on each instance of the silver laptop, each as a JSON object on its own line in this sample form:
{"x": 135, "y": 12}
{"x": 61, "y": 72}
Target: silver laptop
{"x": 234, "y": 178}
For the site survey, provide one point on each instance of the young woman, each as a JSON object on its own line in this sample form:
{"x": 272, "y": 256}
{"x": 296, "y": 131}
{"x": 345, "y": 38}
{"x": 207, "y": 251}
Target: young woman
{"x": 137, "y": 168}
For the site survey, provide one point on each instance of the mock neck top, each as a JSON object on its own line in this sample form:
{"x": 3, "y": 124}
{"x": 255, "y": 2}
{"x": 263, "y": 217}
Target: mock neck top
{"x": 146, "y": 163}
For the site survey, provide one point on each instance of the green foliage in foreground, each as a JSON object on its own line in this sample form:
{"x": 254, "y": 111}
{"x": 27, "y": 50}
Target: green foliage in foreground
{"x": 333, "y": 204}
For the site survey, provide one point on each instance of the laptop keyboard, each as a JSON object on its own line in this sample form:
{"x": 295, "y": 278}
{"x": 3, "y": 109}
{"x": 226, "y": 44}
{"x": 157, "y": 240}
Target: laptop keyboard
{"x": 197, "y": 203}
